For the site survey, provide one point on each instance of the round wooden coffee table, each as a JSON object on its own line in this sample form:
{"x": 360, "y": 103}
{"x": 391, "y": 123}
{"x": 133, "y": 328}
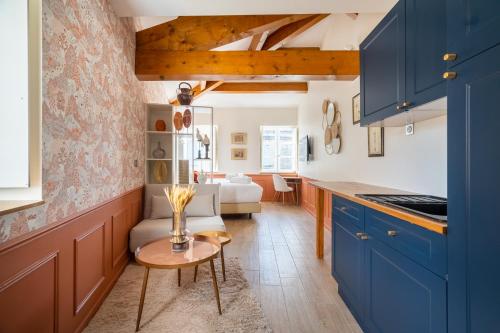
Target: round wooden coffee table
{"x": 224, "y": 239}
{"x": 159, "y": 254}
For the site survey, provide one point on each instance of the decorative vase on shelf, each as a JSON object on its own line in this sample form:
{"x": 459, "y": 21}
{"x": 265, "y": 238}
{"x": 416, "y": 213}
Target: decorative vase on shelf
{"x": 202, "y": 177}
{"x": 159, "y": 152}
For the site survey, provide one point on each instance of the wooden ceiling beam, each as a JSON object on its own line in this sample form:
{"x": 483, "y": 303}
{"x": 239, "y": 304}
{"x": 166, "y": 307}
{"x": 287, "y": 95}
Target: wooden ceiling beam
{"x": 154, "y": 65}
{"x": 261, "y": 87}
{"x": 202, "y": 33}
{"x": 278, "y": 38}
{"x": 199, "y": 90}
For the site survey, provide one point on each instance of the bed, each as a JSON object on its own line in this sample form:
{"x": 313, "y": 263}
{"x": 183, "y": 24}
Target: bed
{"x": 239, "y": 198}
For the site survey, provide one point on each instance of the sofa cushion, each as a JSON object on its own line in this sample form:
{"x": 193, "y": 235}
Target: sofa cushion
{"x": 160, "y": 207}
{"x": 149, "y": 230}
{"x": 201, "y": 205}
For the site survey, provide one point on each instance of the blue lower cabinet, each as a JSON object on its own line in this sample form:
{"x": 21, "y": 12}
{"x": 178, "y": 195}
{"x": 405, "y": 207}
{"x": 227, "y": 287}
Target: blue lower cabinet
{"x": 393, "y": 282}
{"x": 400, "y": 295}
{"x": 347, "y": 266}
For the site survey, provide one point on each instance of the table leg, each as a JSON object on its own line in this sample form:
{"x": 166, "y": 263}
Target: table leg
{"x": 222, "y": 262}
{"x": 320, "y": 213}
{"x": 297, "y": 187}
{"x": 178, "y": 277}
{"x": 143, "y": 294}
{"x": 216, "y": 287}
{"x": 195, "y": 272}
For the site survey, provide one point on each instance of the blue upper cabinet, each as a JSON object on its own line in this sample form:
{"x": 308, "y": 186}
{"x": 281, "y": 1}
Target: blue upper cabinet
{"x": 473, "y": 26}
{"x": 473, "y": 187}
{"x": 382, "y": 56}
{"x": 402, "y": 60}
{"x": 425, "y": 47}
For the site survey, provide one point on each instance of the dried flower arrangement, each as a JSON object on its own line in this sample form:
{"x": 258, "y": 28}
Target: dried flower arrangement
{"x": 179, "y": 197}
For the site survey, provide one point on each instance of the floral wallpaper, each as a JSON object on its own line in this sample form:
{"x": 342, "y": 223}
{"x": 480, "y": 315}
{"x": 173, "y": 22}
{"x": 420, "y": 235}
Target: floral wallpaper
{"x": 93, "y": 113}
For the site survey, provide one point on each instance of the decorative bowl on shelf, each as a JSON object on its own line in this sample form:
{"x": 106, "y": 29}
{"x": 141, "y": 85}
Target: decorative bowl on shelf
{"x": 160, "y": 125}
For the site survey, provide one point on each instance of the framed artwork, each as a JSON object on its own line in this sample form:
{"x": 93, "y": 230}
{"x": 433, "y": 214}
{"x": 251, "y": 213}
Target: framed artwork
{"x": 239, "y": 154}
{"x": 239, "y": 138}
{"x": 375, "y": 141}
{"x": 356, "y": 109}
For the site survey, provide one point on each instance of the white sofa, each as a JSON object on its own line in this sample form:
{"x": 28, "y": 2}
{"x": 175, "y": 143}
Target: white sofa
{"x": 151, "y": 229}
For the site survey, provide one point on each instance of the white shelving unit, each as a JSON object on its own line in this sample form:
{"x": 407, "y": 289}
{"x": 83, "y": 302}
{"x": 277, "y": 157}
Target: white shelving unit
{"x": 186, "y": 144}
{"x": 181, "y": 147}
{"x": 159, "y": 170}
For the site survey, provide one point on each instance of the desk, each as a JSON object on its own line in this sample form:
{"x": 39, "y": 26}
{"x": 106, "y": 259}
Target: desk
{"x": 296, "y": 183}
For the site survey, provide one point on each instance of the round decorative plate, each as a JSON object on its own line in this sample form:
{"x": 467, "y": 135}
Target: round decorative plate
{"x": 334, "y": 130}
{"x": 336, "y": 144}
{"x": 328, "y": 136}
{"x": 186, "y": 118}
{"x": 325, "y": 105}
{"x": 178, "y": 121}
{"x": 330, "y": 113}
{"x": 160, "y": 172}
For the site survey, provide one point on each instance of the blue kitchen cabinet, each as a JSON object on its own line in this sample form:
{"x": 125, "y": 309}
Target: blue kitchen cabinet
{"x": 425, "y": 47}
{"x": 401, "y": 296}
{"x": 347, "y": 268}
{"x": 401, "y": 60}
{"x": 391, "y": 274}
{"x": 382, "y": 60}
{"x": 473, "y": 26}
{"x": 474, "y": 185}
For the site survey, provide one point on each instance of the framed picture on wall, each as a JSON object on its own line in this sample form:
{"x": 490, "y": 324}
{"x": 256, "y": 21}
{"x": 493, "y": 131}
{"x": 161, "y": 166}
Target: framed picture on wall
{"x": 375, "y": 141}
{"x": 239, "y": 154}
{"x": 356, "y": 109}
{"x": 239, "y": 138}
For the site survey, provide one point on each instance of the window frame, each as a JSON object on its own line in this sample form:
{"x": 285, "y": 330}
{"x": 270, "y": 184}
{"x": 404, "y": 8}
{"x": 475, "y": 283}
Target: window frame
{"x": 295, "y": 149}
{"x": 14, "y": 199}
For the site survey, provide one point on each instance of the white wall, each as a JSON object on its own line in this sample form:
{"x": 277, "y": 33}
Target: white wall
{"x": 246, "y": 120}
{"x": 414, "y": 163}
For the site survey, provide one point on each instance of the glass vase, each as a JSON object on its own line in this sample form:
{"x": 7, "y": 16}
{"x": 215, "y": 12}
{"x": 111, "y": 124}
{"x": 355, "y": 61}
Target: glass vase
{"x": 178, "y": 232}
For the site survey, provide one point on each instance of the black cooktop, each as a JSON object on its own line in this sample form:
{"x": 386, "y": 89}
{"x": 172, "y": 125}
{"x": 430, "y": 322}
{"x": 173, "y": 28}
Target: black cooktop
{"x": 425, "y": 205}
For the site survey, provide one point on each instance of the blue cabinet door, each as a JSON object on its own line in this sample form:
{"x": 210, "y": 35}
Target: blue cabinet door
{"x": 401, "y": 296}
{"x": 347, "y": 266}
{"x": 382, "y": 56}
{"x": 473, "y": 26}
{"x": 473, "y": 195}
{"x": 425, "y": 47}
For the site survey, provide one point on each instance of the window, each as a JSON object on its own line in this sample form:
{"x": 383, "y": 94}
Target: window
{"x": 278, "y": 149}
{"x": 20, "y": 91}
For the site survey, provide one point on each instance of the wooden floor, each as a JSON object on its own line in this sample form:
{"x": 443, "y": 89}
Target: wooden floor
{"x": 296, "y": 290}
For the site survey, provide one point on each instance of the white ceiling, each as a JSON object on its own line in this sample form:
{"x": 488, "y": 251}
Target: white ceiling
{"x": 246, "y": 7}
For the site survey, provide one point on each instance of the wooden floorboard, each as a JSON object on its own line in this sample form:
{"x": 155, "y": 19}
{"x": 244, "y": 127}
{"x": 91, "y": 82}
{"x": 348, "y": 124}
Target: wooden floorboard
{"x": 296, "y": 290}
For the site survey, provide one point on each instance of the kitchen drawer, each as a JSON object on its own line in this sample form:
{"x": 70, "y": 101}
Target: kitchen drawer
{"x": 422, "y": 246}
{"x": 348, "y": 212}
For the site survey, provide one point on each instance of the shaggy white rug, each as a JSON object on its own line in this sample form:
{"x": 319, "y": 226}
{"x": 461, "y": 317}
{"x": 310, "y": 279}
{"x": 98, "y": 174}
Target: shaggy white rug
{"x": 189, "y": 308}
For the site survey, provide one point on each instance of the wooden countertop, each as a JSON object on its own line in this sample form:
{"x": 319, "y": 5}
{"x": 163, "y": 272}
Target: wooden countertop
{"x": 348, "y": 190}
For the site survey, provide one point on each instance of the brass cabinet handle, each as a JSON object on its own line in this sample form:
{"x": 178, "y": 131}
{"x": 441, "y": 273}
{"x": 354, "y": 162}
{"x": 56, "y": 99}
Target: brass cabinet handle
{"x": 392, "y": 233}
{"x": 450, "y": 57}
{"x": 449, "y": 75}
{"x": 404, "y": 105}
{"x": 362, "y": 235}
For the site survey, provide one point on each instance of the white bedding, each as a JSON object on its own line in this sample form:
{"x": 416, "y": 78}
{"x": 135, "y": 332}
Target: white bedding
{"x": 238, "y": 193}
